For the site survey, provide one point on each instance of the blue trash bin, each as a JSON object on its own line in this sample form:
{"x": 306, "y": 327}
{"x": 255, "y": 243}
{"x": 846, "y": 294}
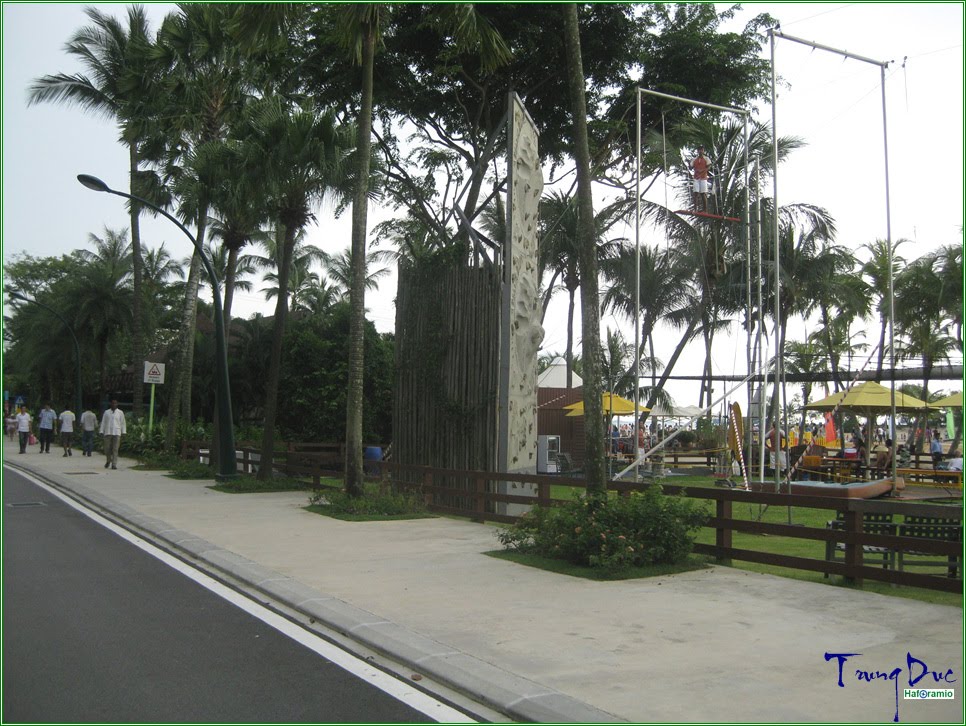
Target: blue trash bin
{"x": 371, "y": 453}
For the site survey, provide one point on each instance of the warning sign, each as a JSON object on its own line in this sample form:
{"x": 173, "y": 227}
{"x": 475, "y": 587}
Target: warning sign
{"x": 153, "y": 372}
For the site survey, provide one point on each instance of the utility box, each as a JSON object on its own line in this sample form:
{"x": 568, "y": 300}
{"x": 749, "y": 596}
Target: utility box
{"x": 547, "y": 449}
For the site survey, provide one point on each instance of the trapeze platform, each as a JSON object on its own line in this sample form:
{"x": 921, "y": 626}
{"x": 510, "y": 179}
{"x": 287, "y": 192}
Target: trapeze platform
{"x": 707, "y": 215}
{"x": 853, "y": 490}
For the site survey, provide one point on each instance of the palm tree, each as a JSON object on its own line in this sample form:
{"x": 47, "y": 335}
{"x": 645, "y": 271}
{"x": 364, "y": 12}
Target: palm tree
{"x": 339, "y": 270}
{"x": 806, "y": 358}
{"x": 919, "y": 315}
{"x": 559, "y": 254}
{"x": 121, "y": 85}
{"x": 876, "y": 272}
{"x": 948, "y": 262}
{"x": 300, "y": 155}
{"x": 587, "y": 253}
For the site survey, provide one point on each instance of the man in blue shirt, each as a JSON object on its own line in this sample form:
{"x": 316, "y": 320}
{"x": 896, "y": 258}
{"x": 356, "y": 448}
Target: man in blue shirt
{"x": 46, "y": 419}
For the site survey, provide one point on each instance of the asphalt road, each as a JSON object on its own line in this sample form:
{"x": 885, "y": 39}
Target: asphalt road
{"x": 96, "y": 630}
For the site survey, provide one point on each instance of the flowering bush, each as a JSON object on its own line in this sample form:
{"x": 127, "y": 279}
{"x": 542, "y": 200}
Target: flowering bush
{"x": 642, "y": 529}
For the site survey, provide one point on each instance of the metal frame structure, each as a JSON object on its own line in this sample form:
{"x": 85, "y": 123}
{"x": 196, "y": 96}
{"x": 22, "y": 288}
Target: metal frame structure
{"x": 773, "y": 33}
{"x": 745, "y": 115}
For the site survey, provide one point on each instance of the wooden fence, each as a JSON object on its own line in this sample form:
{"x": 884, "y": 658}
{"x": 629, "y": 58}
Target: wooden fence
{"x": 477, "y": 495}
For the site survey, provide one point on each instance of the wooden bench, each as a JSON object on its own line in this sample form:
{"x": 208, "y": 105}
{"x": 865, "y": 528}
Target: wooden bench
{"x": 935, "y": 529}
{"x": 939, "y": 476}
{"x": 872, "y": 523}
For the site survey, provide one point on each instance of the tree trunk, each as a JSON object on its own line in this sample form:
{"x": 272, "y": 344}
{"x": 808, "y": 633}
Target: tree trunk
{"x": 357, "y": 292}
{"x": 186, "y": 339}
{"x": 594, "y": 464}
{"x": 137, "y": 265}
{"x": 275, "y": 361}
{"x": 186, "y": 384}
{"x": 229, "y": 290}
{"x": 569, "y": 354}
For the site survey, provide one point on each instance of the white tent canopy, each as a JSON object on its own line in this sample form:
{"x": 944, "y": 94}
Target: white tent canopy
{"x": 555, "y": 376}
{"x": 660, "y": 411}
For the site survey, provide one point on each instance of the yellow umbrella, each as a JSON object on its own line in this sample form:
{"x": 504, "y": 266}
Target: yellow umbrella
{"x": 868, "y": 397}
{"x": 953, "y": 401}
{"x": 612, "y": 404}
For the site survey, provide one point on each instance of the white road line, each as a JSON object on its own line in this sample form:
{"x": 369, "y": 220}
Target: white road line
{"x": 400, "y": 690}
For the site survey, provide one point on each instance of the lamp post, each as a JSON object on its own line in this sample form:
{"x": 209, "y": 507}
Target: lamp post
{"x": 80, "y": 404}
{"x": 227, "y": 468}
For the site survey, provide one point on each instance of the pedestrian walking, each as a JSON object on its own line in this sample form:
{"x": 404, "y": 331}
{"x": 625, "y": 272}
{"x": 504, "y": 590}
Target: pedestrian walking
{"x": 113, "y": 426}
{"x": 66, "y": 419}
{"x": 88, "y": 424}
{"x": 24, "y": 428}
{"x": 936, "y": 448}
{"x": 45, "y": 426}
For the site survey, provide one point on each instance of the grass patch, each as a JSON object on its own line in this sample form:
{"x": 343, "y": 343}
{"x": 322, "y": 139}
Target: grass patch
{"x": 329, "y": 511}
{"x": 562, "y": 567}
{"x": 374, "y": 506}
{"x": 252, "y": 485}
{"x": 793, "y": 546}
{"x": 186, "y": 470}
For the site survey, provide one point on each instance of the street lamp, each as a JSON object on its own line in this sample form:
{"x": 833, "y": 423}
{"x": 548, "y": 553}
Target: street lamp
{"x": 77, "y": 357}
{"x": 227, "y": 468}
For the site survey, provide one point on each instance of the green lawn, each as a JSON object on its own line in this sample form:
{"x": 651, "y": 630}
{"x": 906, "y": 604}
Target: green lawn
{"x": 813, "y": 549}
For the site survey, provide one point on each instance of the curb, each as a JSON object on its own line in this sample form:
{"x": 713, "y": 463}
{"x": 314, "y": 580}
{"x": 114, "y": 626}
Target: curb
{"x": 512, "y": 695}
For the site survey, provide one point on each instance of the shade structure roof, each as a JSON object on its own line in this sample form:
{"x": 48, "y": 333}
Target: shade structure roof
{"x": 612, "y": 404}
{"x": 953, "y": 401}
{"x": 676, "y": 411}
{"x": 868, "y": 397}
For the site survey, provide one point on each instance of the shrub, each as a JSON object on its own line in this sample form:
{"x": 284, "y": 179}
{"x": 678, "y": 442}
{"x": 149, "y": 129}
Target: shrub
{"x": 372, "y": 503}
{"x": 642, "y": 529}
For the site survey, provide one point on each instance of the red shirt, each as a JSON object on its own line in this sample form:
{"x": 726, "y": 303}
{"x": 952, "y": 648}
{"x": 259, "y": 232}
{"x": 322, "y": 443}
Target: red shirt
{"x": 700, "y": 166}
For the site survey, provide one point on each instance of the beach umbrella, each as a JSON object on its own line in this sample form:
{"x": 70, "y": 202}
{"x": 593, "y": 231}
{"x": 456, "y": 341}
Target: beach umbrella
{"x": 868, "y": 399}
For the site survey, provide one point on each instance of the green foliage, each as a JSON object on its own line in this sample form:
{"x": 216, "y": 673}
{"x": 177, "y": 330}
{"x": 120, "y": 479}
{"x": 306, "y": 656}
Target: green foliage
{"x": 191, "y": 470}
{"x": 374, "y": 503}
{"x": 252, "y": 485}
{"x": 641, "y": 529}
{"x": 312, "y": 391}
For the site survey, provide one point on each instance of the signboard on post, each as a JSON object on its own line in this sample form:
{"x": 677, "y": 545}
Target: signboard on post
{"x": 153, "y": 372}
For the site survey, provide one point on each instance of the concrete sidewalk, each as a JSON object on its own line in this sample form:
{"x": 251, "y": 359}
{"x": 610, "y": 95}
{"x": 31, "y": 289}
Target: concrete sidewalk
{"x": 709, "y": 646}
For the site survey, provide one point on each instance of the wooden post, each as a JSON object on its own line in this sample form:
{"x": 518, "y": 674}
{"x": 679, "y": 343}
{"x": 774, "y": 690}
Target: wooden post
{"x": 853, "y": 551}
{"x": 722, "y": 534}
{"x": 480, "y": 486}
{"x": 543, "y": 494}
{"x": 427, "y": 493}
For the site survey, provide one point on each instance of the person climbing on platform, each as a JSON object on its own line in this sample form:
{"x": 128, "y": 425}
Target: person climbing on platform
{"x": 699, "y": 167}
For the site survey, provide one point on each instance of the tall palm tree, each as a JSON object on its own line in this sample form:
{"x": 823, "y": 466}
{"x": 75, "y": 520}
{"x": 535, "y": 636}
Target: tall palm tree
{"x": 587, "y": 253}
{"x": 558, "y": 251}
{"x": 663, "y": 286}
{"x": 948, "y": 263}
{"x": 876, "y": 272}
{"x": 806, "y": 358}
{"x": 339, "y": 270}
{"x": 301, "y": 155}
{"x": 121, "y": 83}
{"x": 919, "y": 315}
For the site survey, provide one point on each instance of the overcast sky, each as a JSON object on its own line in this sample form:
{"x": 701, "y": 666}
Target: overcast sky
{"x": 833, "y": 103}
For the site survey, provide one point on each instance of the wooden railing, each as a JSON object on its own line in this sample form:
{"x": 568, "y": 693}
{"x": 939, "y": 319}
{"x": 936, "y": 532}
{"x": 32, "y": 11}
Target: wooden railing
{"x": 479, "y": 495}
{"x": 476, "y": 495}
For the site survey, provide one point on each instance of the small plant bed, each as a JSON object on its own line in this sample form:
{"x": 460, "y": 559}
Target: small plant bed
{"x": 611, "y": 534}
{"x": 252, "y": 485}
{"x": 373, "y": 506}
{"x": 157, "y": 462}
{"x": 186, "y": 470}
{"x": 693, "y": 562}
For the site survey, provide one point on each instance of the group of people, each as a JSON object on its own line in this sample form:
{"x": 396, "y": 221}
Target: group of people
{"x": 113, "y": 425}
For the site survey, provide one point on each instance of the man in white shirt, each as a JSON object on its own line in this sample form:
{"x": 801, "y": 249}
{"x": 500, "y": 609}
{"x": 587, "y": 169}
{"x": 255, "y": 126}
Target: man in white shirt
{"x": 113, "y": 426}
{"x": 88, "y": 424}
{"x": 67, "y": 430}
{"x": 24, "y": 421}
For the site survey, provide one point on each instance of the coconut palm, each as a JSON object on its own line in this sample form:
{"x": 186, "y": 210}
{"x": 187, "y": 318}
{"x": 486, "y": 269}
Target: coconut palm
{"x": 122, "y": 81}
{"x": 876, "y": 272}
{"x": 808, "y": 359}
{"x": 558, "y": 251}
{"x": 301, "y": 156}
{"x": 339, "y": 270}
